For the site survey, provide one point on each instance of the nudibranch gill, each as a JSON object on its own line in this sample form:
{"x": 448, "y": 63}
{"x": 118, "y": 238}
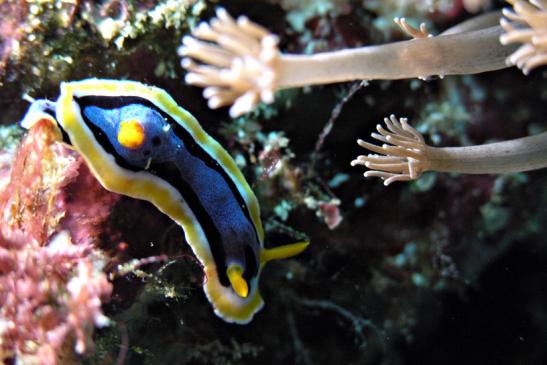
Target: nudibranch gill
{"x": 138, "y": 142}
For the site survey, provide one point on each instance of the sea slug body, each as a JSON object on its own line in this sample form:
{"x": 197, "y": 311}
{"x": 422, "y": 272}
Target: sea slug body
{"x": 138, "y": 142}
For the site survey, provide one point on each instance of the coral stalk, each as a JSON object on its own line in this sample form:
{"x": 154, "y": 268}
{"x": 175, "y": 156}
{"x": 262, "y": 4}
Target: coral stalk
{"x": 405, "y": 155}
{"x": 441, "y": 55}
{"x": 517, "y": 155}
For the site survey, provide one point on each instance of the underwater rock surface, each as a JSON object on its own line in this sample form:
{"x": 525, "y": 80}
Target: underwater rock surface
{"x": 446, "y": 269}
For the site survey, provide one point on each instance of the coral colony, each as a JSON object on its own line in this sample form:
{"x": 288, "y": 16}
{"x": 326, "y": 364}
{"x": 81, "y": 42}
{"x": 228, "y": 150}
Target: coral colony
{"x": 242, "y": 66}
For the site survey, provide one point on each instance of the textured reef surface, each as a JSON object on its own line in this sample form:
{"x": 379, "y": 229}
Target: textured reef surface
{"x": 446, "y": 269}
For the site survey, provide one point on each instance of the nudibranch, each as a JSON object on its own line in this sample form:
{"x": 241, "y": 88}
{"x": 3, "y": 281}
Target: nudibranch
{"x": 138, "y": 142}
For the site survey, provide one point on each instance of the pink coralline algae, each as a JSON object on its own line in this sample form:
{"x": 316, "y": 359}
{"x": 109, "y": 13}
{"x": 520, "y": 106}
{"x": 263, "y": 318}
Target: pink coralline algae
{"x": 331, "y": 213}
{"x": 51, "y": 281}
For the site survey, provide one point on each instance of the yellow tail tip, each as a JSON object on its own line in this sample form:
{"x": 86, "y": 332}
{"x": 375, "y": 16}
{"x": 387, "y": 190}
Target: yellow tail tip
{"x": 282, "y": 252}
{"x": 235, "y": 275}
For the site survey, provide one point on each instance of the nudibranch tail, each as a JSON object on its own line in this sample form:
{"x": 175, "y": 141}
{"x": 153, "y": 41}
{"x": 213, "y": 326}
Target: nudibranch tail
{"x": 282, "y": 252}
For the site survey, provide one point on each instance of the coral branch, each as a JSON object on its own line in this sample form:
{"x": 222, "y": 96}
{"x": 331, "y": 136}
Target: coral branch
{"x": 405, "y": 156}
{"x": 241, "y": 64}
